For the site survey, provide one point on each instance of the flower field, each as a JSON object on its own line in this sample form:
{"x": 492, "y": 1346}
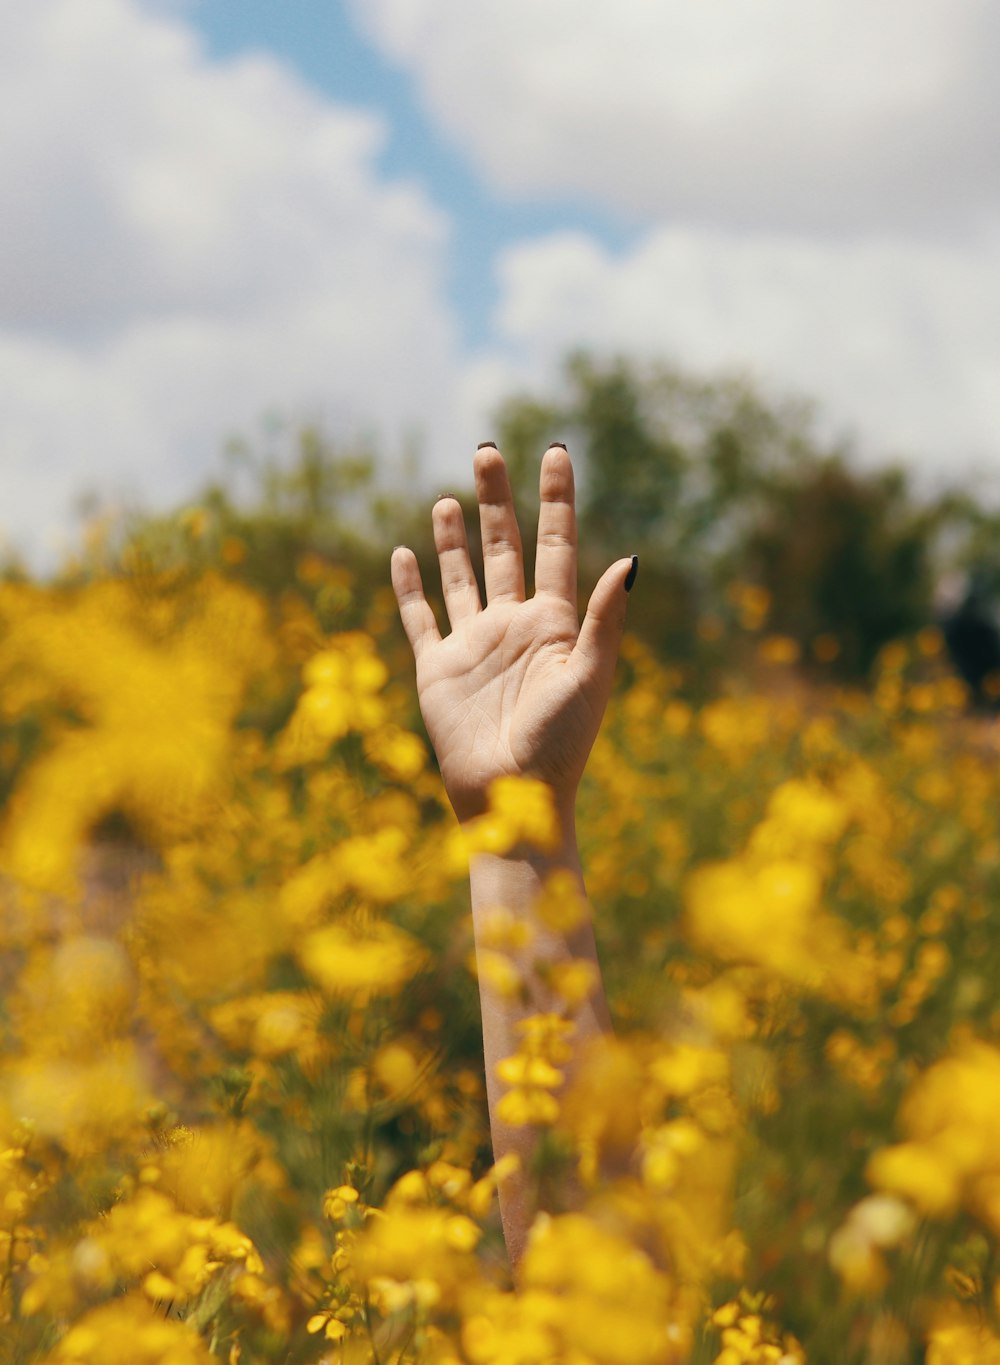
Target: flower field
{"x": 242, "y": 1104}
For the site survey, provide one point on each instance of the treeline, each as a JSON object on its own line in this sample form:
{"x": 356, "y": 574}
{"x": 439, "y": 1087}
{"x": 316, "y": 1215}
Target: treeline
{"x": 748, "y": 525}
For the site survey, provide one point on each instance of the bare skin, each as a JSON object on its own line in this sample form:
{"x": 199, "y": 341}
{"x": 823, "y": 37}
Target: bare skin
{"x": 519, "y": 687}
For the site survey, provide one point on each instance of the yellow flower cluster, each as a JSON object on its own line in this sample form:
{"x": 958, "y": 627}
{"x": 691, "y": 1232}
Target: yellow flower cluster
{"x": 747, "y": 1340}
{"x": 242, "y": 1108}
{"x": 951, "y": 1117}
{"x": 147, "y": 1241}
{"x": 521, "y": 811}
{"x": 587, "y": 1294}
{"x": 139, "y": 709}
{"x": 130, "y": 1331}
{"x": 533, "y": 1072}
{"x": 777, "y": 882}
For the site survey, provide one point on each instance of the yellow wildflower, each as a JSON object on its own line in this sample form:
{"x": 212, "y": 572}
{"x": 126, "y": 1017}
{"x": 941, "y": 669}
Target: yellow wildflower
{"x": 357, "y": 964}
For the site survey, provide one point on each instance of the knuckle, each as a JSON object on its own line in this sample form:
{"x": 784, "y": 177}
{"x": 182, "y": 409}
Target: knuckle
{"x": 497, "y": 548}
{"x": 557, "y": 540}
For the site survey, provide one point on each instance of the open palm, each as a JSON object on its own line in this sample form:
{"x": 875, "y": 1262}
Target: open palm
{"x": 518, "y": 687}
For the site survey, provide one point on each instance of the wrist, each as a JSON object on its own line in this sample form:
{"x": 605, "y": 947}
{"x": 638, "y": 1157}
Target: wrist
{"x": 534, "y": 861}
{"x": 514, "y": 882}
{"x": 515, "y": 879}
{"x": 470, "y": 808}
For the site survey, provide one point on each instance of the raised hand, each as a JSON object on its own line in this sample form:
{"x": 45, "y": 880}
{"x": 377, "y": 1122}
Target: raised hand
{"x": 518, "y": 686}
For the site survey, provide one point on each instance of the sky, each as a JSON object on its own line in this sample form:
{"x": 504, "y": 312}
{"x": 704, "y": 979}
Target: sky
{"x": 386, "y": 215}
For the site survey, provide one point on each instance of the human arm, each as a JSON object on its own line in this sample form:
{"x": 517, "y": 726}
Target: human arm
{"x": 518, "y": 688}
{"x": 516, "y": 883}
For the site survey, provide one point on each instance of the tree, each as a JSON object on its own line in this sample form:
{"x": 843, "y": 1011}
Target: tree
{"x": 847, "y": 556}
{"x": 710, "y": 481}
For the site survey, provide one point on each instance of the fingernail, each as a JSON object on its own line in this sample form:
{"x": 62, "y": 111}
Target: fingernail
{"x": 441, "y": 496}
{"x": 630, "y": 576}
{"x": 560, "y": 444}
{"x": 487, "y": 445}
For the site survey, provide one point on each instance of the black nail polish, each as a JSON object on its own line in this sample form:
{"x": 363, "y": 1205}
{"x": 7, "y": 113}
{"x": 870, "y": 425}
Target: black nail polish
{"x": 630, "y": 576}
{"x": 560, "y": 444}
{"x": 487, "y": 445}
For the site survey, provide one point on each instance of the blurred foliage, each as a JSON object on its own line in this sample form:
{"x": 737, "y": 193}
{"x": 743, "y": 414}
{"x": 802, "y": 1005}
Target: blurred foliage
{"x": 712, "y": 483}
{"x": 844, "y": 556}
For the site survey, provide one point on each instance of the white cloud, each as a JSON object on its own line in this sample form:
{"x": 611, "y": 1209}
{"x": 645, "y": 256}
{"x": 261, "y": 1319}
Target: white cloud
{"x": 815, "y": 183}
{"x": 186, "y": 245}
{"x": 897, "y": 340}
{"x": 834, "y": 116}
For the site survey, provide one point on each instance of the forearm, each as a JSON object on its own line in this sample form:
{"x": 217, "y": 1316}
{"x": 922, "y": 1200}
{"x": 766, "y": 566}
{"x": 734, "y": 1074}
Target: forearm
{"x": 514, "y": 882}
{"x": 518, "y": 687}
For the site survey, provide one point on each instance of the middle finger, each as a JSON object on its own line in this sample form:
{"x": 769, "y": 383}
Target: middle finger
{"x": 503, "y": 560}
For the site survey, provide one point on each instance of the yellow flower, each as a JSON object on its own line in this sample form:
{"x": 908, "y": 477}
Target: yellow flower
{"x": 400, "y": 754}
{"x": 962, "y": 1340}
{"x": 923, "y": 1174}
{"x": 768, "y": 914}
{"x": 573, "y": 982}
{"x": 397, "y": 1069}
{"x": 361, "y": 963}
{"x": 528, "y": 1071}
{"x": 332, "y": 1328}
{"x": 608, "y": 1301}
{"x": 84, "y": 1104}
{"x": 501, "y": 929}
{"x": 129, "y": 1331}
{"x": 204, "y": 1169}
{"x": 521, "y": 810}
{"x": 801, "y": 815}
{"x": 682, "y": 1068}
{"x": 271, "y": 1024}
{"x": 522, "y": 1106}
{"x": 415, "y": 1254}
{"x": 337, "y": 1202}
{"x": 497, "y": 971}
{"x": 342, "y": 694}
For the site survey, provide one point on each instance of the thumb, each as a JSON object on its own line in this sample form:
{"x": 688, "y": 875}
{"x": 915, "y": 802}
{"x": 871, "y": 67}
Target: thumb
{"x": 601, "y": 632}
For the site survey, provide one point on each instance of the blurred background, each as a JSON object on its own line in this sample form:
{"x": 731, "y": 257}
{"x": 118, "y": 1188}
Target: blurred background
{"x": 231, "y": 220}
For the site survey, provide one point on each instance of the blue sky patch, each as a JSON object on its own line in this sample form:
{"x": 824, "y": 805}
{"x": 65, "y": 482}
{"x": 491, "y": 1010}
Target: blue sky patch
{"x": 320, "y": 41}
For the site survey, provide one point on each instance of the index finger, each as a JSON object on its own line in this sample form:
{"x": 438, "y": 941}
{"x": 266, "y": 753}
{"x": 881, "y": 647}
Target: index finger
{"x": 555, "y": 556}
